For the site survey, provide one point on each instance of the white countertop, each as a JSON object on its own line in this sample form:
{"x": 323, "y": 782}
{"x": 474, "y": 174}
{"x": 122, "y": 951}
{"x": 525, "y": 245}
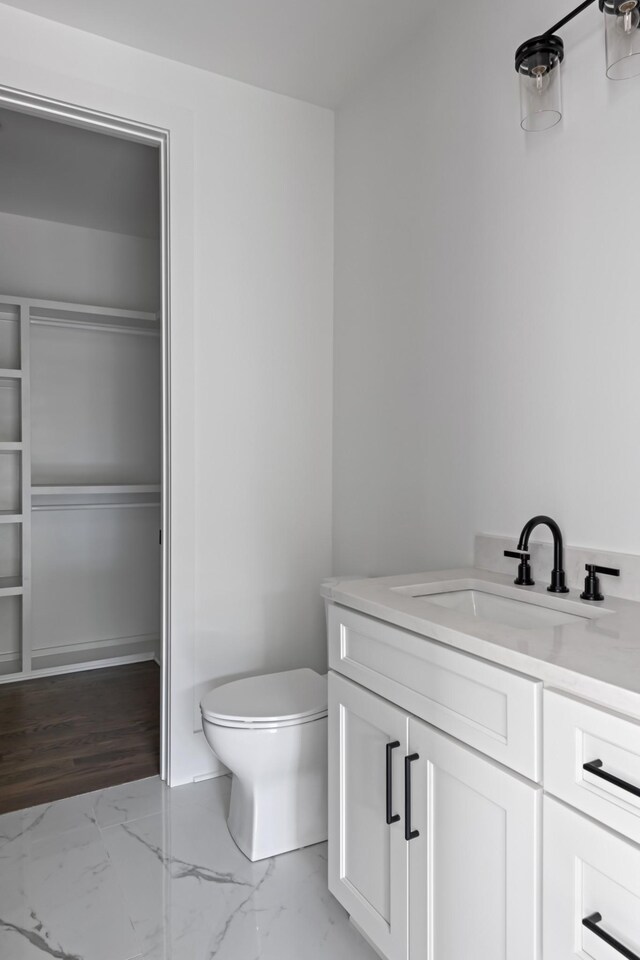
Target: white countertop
{"x": 597, "y": 658}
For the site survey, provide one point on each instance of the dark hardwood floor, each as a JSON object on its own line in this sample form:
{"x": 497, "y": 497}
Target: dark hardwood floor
{"x": 60, "y": 736}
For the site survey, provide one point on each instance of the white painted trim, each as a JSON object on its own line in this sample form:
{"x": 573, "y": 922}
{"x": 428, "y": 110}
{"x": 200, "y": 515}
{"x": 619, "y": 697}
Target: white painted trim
{"x": 144, "y": 638}
{"x": 165, "y": 328}
{"x": 77, "y": 667}
{"x": 25, "y": 489}
{"x": 212, "y": 776}
{"x": 37, "y": 105}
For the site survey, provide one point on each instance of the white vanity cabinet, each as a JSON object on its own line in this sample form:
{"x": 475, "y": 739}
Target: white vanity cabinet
{"x": 494, "y": 710}
{"x": 505, "y": 824}
{"x": 474, "y": 866}
{"x": 435, "y": 852}
{"x": 592, "y": 761}
{"x": 368, "y": 855}
{"x": 592, "y": 875}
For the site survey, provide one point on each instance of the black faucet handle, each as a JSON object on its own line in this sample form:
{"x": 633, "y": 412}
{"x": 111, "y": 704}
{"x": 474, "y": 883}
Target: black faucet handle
{"x": 524, "y": 578}
{"x": 593, "y": 568}
{"x": 592, "y": 581}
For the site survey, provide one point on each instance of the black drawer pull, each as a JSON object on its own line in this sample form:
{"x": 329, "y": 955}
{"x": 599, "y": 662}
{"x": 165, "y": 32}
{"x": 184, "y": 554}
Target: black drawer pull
{"x": 409, "y": 834}
{"x": 595, "y": 767}
{"x": 591, "y": 923}
{"x": 391, "y": 817}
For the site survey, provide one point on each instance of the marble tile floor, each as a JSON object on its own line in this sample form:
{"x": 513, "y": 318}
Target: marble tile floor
{"x": 141, "y": 872}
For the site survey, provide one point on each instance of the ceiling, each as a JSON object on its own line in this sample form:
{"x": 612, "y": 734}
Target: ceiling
{"x": 54, "y": 171}
{"x": 314, "y": 50}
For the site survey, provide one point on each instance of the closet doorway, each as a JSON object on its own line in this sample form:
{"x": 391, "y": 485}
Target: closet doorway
{"x": 84, "y": 452}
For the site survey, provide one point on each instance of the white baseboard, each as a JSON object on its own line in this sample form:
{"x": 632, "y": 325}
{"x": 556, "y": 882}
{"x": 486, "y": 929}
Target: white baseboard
{"x": 77, "y": 667}
{"x": 143, "y": 639}
{"x": 212, "y": 776}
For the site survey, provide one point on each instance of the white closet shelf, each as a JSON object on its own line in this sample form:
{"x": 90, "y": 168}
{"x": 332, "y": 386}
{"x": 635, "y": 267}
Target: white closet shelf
{"x": 93, "y": 318}
{"x": 113, "y": 489}
{"x": 10, "y": 586}
{"x": 10, "y": 516}
{"x": 48, "y": 624}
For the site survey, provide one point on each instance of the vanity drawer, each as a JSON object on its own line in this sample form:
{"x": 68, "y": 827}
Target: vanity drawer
{"x": 588, "y": 874}
{"x": 490, "y": 708}
{"x": 577, "y": 733}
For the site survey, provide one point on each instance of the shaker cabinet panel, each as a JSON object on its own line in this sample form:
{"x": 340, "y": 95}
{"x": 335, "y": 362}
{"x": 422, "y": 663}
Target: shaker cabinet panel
{"x": 368, "y": 855}
{"x": 592, "y": 761}
{"x": 493, "y": 709}
{"x": 592, "y": 875}
{"x": 475, "y": 862}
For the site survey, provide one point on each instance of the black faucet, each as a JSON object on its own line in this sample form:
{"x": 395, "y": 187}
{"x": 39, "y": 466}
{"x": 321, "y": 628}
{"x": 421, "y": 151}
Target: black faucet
{"x": 557, "y": 584}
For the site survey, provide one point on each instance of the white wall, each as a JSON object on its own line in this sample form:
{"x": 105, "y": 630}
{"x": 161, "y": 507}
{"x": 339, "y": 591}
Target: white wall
{"x": 487, "y": 336}
{"x": 251, "y": 186}
{"x": 57, "y": 261}
{"x": 263, "y": 441}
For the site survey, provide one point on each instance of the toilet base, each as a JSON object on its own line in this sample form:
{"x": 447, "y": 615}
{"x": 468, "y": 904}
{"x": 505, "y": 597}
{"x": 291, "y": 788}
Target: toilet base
{"x": 269, "y": 818}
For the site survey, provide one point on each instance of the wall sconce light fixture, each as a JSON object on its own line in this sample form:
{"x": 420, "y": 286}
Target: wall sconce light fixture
{"x": 538, "y": 61}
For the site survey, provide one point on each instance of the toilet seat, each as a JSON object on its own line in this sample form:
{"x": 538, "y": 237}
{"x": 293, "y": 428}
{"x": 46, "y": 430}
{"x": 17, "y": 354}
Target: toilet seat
{"x": 266, "y": 725}
{"x": 266, "y": 702}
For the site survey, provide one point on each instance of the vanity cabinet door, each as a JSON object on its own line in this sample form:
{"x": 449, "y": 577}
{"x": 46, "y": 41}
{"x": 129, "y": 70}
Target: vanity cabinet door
{"x": 474, "y": 866}
{"x": 589, "y": 874}
{"x": 368, "y": 855}
{"x": 592, "y": 761}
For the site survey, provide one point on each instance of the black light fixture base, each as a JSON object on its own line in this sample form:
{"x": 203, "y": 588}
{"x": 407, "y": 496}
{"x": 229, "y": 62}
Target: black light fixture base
{"x": 544, "y": 50}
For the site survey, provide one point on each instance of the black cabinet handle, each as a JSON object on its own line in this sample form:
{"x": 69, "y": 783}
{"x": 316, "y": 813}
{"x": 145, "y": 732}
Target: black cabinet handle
{"x": 595, "y": 767}
{"x": 591, "y": 923}
{"x": 391, "y": 817}
{"x": 409, "y": 834}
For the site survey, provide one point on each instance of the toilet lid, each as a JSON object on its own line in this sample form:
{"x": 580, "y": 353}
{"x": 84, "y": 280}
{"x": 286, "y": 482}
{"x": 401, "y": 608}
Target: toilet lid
{"x": 274, "y": 697}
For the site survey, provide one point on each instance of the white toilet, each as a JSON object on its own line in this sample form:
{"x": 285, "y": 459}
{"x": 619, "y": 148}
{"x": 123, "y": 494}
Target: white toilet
{"x": 271, "y": 732}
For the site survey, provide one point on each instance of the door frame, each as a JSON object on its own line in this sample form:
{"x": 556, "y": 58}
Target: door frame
{"x": 125, "y": 129}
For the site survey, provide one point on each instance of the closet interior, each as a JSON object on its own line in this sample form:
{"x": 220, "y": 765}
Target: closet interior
{"x": 79, "y": 486}
{"x": 80, "y": 400}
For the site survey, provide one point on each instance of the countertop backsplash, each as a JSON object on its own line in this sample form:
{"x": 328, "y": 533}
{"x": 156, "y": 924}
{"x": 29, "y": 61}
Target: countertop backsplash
{"x": 489, "y": 555}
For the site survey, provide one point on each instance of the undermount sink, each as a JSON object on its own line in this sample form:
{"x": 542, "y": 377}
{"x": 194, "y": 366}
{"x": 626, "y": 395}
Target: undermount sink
{"x": 520, "y": 614}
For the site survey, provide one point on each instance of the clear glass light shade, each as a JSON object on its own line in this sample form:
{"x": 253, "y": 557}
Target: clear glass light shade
{"x": 622, "y": 38}
{"x": 540, "y": 91}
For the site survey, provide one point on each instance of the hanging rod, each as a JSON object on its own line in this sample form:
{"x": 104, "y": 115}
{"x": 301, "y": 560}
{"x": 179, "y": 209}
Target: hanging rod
{"x": 92, "y": 506}
{"x": 86, "y": 325}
